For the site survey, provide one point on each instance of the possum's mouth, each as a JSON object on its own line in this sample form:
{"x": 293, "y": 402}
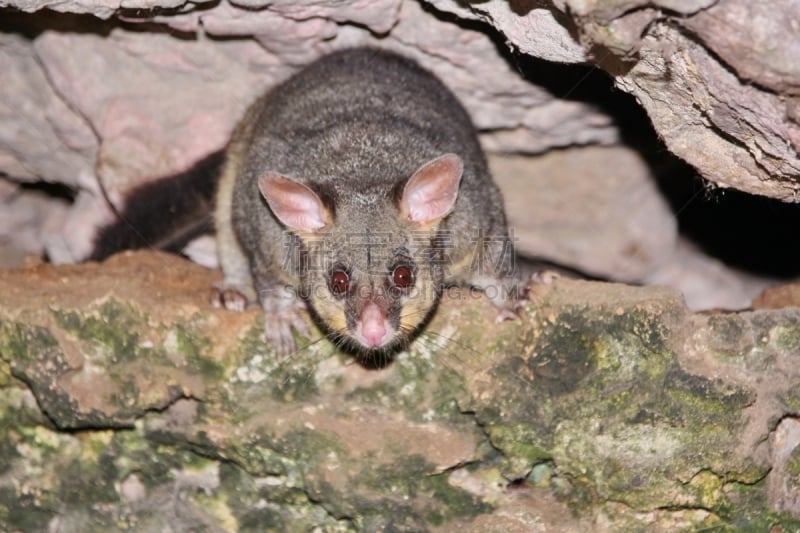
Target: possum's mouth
{"x": 376, "y": 356}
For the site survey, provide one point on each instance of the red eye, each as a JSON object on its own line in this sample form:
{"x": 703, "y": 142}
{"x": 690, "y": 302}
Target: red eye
{"x": 402, "y": 277}
{"x": 340, "y": 282}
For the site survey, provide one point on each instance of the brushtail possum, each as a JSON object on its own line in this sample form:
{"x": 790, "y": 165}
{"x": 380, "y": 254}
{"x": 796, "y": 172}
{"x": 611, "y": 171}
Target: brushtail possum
{"x": 357, "y": 188}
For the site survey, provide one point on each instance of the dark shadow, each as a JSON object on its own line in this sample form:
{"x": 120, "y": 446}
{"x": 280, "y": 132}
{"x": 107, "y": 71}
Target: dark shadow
{"x": 58, "y": 191}
{"x": 31, "y": 25}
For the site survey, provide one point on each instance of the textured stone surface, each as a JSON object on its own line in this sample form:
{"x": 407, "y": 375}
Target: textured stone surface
{"x": 765, "y": 57}
{"x": 594, "y": 209}
{"x": 719, "y": 82}
{"x": 736, "y": 133}
{"x": 605, "y": 407}
{"x": 142, "y": 89}
{"x": 41, "y": 137}
{"x": 112, "y": 106}
{"x": 679, "y": 81}
{"x": 707, "y": 283}
{"x": 133, "y": 105}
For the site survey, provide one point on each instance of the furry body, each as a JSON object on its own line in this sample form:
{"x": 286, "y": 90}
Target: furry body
{"x": 316, "y": 183}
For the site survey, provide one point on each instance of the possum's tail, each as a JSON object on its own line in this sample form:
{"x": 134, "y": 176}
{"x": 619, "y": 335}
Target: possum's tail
{"x": 166, "y": 214}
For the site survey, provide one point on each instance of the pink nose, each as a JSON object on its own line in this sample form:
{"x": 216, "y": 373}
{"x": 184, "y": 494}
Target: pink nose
{"x": 373, "y": 328}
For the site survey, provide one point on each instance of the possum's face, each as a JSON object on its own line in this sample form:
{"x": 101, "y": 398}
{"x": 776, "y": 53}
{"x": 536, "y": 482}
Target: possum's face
{"x": 372, "y": 263}
{"x": 373, "y": 289}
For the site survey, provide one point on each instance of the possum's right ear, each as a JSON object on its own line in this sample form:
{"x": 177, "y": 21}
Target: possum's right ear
{"x": 297, "y": 206}
{"x": 430, "y": 194}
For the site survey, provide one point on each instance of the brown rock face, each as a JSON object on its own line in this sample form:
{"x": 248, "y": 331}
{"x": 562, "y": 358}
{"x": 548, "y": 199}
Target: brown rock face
{"x": 128, "y": 399}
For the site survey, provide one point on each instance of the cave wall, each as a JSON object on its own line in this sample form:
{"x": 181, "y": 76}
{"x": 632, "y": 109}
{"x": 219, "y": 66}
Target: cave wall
{"x": 125, "y": 412}
{"x": 102, "y": 97}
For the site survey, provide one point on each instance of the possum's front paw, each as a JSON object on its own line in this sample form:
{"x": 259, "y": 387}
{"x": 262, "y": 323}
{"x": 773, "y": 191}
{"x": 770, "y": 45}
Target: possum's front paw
{"x": 543, "y": 277}
{"x": 523, "y": 292}
{"x": 278, "y": 331}
{"x": 229, "y": 298}
{"x": 519, "y": 292}
{"x": 283, "y": 312}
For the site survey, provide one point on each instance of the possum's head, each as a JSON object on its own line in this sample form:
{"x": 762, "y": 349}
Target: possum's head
{"x": 374, "y": 260}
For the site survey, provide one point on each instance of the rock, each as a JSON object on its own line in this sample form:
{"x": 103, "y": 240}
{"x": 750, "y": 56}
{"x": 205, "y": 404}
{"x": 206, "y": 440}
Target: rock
{"x": 593, "y": 209}
{"x": 528, "y": 27}
{"x": 619, "y": 227}
{"x": 129, "y": 401}
{"x": 705, "y": 282}
{"x": 23, "y": 217}
{"x": 151, "y": 105}
{"x": 778, "y": 297}
{"x": 691, "y": 99}
{"x": 699, "y": 75}
{"x": 764, "y": 58}
{"x": 149, "y": 123}
{"x": 102, "y": 106}
{"x": 41, "y": 137}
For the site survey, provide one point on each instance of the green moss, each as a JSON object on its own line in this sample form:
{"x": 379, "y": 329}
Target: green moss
{"x": 793, "y": 466}
{"x": 6, "y": 379}
{"x": 265, "y": 519}
{"x": 444, "y": 405}
{"x": 408, "y": 387}
{"x": 409, "y": 478}
{"x": 254, "y": 343}
{"x": 23, "y": 342}
{"x": 518, "y": 441}
{"x": 751, "y": 512}
{"x": 400, "y": 477}
{"x": 195, "y": 350}
{"x": 604, "y": 400}
{"x": 732, "y": 337}
{"x": 88, "y": 479}
{"x": 580, "y": 367}
{"x": 563, "y": 358}
{"x": 378, "y": 394}
{"x": 293, "y": 384}
{"x": 456, "y": 503}
{"x": 707, "y": 488}
{"x": 153, "y": 463}
{"x": 541, "y": 474}
{"x": 791, "y": 400}
{"x": 289, "y": 379}
{"x": 695, "y": 401}
{"x": 112, "y": 328}
{"x": 257, "y": 454}
{"x": 24, "y": 512}
{"x": 308, "y": 446}
{"x": 786, "y": 338}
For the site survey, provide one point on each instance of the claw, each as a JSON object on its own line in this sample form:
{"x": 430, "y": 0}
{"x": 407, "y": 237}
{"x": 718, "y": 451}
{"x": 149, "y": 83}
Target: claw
{"x": 278, "y": 332}
{"x": 505, "y": 314}
{"x": 543, "y": 277}
{"x": 282, "y": 314}
{"x": 229, "y": 298}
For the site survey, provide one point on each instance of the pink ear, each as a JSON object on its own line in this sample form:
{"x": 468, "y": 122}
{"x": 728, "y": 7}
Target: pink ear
{"x": 431, "y": 192}
{"x": 293, "y": 203}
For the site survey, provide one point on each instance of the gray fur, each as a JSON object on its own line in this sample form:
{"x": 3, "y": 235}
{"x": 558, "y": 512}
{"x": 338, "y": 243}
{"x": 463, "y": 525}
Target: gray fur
{"x": 354, "y": 126}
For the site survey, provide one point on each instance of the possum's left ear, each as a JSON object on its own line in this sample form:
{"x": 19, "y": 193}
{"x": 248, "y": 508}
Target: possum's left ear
{"x": 431, "y": 192}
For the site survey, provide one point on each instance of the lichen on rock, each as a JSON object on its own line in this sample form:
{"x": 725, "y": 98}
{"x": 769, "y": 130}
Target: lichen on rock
{"x": 612, "y": 404}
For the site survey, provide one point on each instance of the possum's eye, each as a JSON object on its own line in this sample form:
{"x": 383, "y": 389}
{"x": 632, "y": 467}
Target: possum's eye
{"x": 403, "y": 277}
{"x": 339, "y": 282}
